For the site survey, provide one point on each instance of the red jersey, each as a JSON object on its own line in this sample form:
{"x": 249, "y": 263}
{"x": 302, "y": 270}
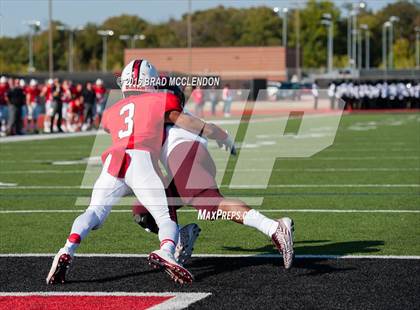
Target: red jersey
{"x": 99, "y": 91}
{"x": 33, "y": 94}
{"x": 75, "y": 106}
{"x": 48, "y": 93}
{"x": 3, "y": 90}
{"x": 137, "y": 122}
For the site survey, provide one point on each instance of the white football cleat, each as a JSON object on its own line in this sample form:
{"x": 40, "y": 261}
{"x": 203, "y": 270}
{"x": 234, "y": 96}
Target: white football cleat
{"x": 188, "y": 234}
{"x": 283, "y": 240}
{"x": 59, "y": 268}
{"x": 166, "y": 260}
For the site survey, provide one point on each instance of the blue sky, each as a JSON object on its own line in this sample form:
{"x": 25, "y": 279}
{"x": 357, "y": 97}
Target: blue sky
{"x": 79, "y": 12}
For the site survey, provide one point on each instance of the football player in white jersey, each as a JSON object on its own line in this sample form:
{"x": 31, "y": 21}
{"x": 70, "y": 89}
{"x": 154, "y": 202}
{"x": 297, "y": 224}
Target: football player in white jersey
{"x": 192, "y": 172}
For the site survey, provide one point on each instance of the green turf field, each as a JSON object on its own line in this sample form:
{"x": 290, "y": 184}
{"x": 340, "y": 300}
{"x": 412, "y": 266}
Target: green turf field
{"x": 374, "y": 164}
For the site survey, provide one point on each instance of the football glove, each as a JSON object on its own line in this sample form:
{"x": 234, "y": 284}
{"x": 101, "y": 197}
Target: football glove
{"x": 228, "y": 144}
{"x": 146, "y": 221}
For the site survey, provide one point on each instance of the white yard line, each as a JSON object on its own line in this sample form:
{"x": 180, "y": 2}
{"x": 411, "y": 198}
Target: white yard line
{"x": 50, "y": 136}
{"x": 307, "y": 256}
{"x": 194, "y": 211}
{"x": 239, "y": 186}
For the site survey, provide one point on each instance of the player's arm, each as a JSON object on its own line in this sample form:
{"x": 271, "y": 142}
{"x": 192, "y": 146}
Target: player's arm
{"x": 198, "y": 126}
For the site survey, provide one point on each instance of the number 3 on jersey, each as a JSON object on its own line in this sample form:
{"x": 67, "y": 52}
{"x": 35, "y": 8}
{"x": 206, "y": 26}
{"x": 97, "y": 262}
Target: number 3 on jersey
{"x": 128, "y": 112}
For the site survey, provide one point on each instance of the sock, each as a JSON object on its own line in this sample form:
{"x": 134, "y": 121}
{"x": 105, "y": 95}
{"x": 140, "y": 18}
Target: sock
{"x": 255, "y": 219}
{"x": 168, "y": 235}
{"x": 72, "y": 243}
{"x": 82, "y": 225}
{"x": 168, "y": 245}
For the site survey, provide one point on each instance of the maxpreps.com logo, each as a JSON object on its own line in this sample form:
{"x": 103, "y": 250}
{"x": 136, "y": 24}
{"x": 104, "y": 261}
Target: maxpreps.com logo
{"x": 220, "y": 215}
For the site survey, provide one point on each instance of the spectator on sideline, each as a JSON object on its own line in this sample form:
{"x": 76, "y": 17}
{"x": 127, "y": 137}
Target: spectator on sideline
{"x": 198, "y": 98}
{"x": 66, "y": 97}
{"x": 89, "y": 98}
{"x": 227, "y": 99}
{"x": 33, "y": 105}
{"x": 100, "y": 93}
{"x": 48, "y": 100}
{"x": 4, "y": 115}
{"x": 17, "y": 100}
{"x": 57, "y": 107}
{"x": 213, "y": 100}
{"x": 315, "y": 93}
{"x": 331, "y": 95}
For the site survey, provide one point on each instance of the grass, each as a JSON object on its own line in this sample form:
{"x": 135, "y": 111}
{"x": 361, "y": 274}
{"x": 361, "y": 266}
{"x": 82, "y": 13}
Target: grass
{"x": 368, "y": 149}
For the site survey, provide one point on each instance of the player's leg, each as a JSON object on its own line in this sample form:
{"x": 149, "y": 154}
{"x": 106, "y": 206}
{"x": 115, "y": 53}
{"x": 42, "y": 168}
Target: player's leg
{"x": 106, "y": 192}
{"x": 188, "y": 234}
{"x": 191, "y": 165}
{"x": 146, "y": 184}
{"x": 143, "y": 179}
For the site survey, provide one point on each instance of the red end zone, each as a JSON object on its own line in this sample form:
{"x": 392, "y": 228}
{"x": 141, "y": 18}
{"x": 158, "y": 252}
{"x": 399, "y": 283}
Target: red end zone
{"x": 97, "y": 300}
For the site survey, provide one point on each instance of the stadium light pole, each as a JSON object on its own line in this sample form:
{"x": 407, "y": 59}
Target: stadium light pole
{"x": 359, "y": 49}
{"x": 105, "y": 34}
{"x": 132, "y": 39}
{"x": 361, "y": 5}
{"x": 34, "y": 26}
{"x": 349, "y": 38}
{"x": 71, "y": 43}
{"x": 285, "y": 21}
{"x": 392, "y": 20}
{"x": 327, "y": 21}
{"x": 354, "y": 38}
{"x": 385, "y": 27}
{"x": 367, "y": 45}
{"x": 284, "y": 24}
{"x": 417, "y": 30}
{"x": 50, "y": 40}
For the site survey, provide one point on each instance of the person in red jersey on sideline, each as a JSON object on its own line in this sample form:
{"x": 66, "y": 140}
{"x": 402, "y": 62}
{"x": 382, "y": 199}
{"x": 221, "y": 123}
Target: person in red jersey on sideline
{"x": 100, "y": 93}
{"x": 33, "y": 104}
{"x": 136, "y": 124}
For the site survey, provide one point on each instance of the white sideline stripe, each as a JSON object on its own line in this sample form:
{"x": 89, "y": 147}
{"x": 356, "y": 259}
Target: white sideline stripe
{"x": 194, "y": 211}
{"x": 180, "y": 300}
{"x": 307, "y": 256}
{"x": 250, "y": 186}
{"x": 221, "y": 170}
{"x": 224, "y": 159}
{"x": 247, "y": 186}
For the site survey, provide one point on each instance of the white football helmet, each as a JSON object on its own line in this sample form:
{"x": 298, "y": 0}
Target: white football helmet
{"x": 137, "y": 76}
{"x": 3, "y": 80}
{"x": 33, "y": 82}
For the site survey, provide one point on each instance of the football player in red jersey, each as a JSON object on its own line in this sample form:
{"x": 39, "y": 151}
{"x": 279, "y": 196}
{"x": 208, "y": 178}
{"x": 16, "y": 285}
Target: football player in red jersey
{"x": 100, "y": 93}
{"x": 76, "y": 108}
{"x": 4, "y": 115}
{"x": 193, "y": 171}
{"x": 47, "y": 94}
{"x": 135, "y": 124}
{"x": 66, "y": 97}
{"x": 33, "y": 104}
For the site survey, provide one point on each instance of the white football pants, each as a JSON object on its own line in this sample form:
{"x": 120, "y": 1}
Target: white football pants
{"x": 141, "y": 179}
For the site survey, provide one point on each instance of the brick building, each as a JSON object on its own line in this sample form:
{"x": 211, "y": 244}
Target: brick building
{"x": 230, "y": 63}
